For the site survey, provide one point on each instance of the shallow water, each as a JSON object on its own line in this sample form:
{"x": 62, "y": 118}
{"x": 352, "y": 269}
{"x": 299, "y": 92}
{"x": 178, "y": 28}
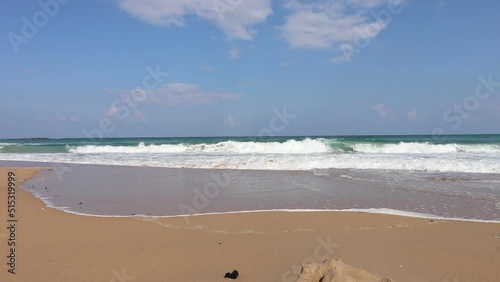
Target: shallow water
{"x": 125, "y": 191}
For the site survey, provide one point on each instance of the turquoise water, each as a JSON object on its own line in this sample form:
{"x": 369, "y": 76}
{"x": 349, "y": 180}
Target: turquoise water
{"x": 450, "y": 176}
{"x": 450, "y": 153}
{"x": 341, "y": 142}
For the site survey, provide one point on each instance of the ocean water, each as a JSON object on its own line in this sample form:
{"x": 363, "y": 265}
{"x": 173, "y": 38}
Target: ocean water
{"x": 451, "y": 177}
{"x": 453, "y": 153}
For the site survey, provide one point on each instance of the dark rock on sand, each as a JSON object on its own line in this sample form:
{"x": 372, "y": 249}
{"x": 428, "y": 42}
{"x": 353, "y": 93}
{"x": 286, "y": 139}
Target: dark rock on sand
{"x": 232, "y": 275}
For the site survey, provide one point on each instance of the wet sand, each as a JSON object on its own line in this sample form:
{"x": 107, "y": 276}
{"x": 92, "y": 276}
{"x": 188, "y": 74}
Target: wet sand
{"x": 268, "y": 246}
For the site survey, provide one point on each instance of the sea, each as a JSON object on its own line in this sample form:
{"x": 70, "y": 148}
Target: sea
{"x": 465, "y": 167}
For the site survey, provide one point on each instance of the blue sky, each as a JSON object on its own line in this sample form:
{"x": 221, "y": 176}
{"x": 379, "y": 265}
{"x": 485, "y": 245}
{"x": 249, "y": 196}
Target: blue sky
{"x": 225, "y": 67}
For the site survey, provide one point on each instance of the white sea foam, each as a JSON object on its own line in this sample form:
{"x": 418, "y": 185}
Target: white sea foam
{"x": 464, "y": 162}
{"x": 424, "y": 148}
{"x": 307, "y": 154}
{"x": 307, "y": 146}
{"x": 368, "y": 210}
{"x": 3, "y": 145}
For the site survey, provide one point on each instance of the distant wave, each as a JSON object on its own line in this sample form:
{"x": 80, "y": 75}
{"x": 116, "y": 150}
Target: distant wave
{"x": 307, "y": 146}
{"x": 425, "y": 148}
{"x": 271, "y": 154}
{"x": 7, "y": 144}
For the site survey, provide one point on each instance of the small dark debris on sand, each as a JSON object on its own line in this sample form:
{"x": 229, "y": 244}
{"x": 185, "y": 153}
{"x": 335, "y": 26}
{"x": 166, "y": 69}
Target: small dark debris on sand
{"x": 232, "y": 275}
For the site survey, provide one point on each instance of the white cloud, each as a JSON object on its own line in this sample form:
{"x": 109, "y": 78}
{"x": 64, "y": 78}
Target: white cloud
{"x": 59, "y": 118}
{"x": 168, "y": 95}
{"x": 440, "y": 4}
{"x": 207, "y": 68}
{"x": 174, "y": 94}
{"x": 140, "y": 115}
{"x": 336, "y": 25}
{"x": 180, "y": 93}
{"x": 112, "y": 111}
{"x": 382, "y": 110}
{"x": 412, "y": 115}
{"x": 236, "y": 18}
{"x": 122, "y": 112}
{"x": 30, "y": 70}
{"x": 229, "y": 121}
{"x": 234, "y": 53}
{"x": 347, "y": 53}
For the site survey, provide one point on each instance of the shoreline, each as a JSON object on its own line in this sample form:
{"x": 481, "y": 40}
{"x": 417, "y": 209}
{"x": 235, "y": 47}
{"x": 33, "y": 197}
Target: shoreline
{"x": 388, "y": 212}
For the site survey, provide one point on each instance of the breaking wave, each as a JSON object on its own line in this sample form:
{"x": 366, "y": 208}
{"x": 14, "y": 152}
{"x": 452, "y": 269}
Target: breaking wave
{"x": 425, "y": 148}
{"x": 306, "y": 146}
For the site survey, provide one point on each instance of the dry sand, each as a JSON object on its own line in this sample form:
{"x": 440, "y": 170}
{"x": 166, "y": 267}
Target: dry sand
{"x": 56, "y": 246}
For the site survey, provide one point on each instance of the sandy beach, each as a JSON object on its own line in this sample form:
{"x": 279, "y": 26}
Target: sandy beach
{"x": 52, "y": 245}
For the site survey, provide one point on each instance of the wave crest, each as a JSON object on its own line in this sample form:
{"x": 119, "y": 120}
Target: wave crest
{"x": 306, "y": 146}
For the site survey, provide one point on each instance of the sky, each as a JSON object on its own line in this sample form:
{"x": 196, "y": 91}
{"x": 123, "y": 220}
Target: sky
{"x": 152, "y": 68}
